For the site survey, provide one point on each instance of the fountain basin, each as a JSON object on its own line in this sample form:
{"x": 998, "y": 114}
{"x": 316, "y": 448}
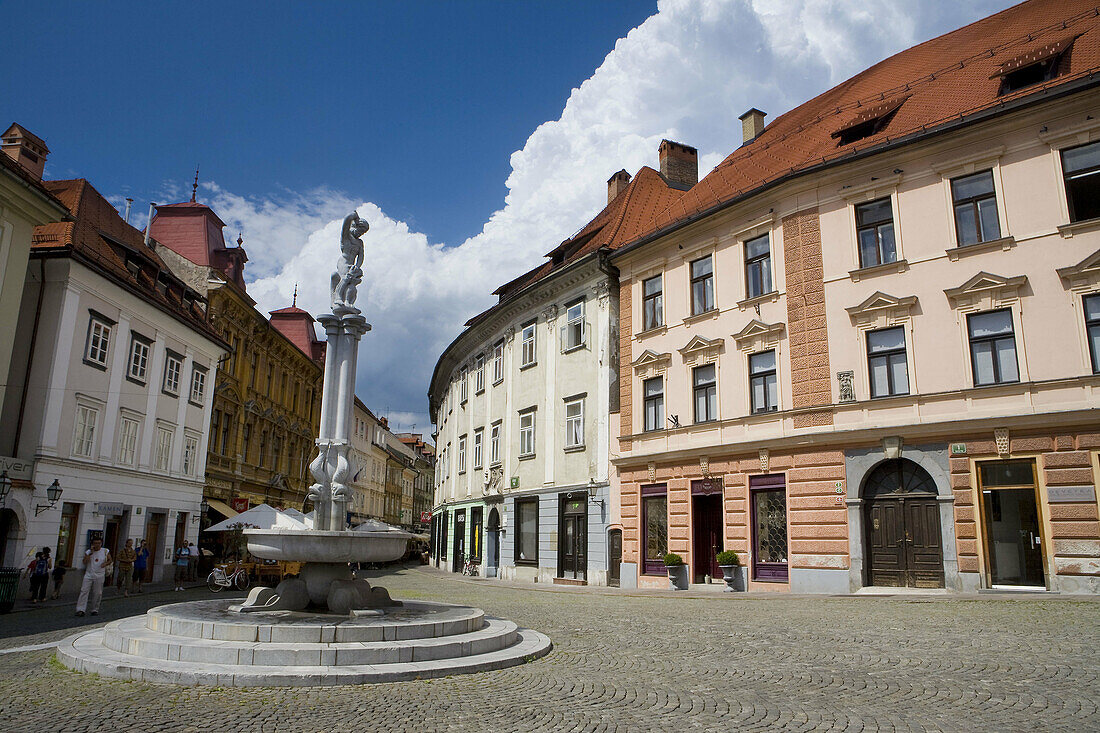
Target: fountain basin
{"x": 321, "y": 546}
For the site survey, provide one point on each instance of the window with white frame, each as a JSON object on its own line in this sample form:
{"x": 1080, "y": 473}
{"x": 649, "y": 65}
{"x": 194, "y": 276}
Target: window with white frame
{"x": 494, "y": 444}
{"x": 886, "y": 362}
{"x": 138, "y": 368}
{"x": 127, "y": 441}
{"x": 190, "y": 454}
{"x": 992, "y": 348}
{"x": 572, "y": 333}
{"x": 527, "y": 348}
{"x": 498, "y": 362}
{"x": 479, "y": 436}
{"x": 163, "y": 454}
{"x": 574, "y": 423}
{"x": 464, "y": 389}
{"x": 173, "y": 365}
{"x": 462, "y": 454}
{"x": 99, "y": 341}
{"x": 762, "y": 382}
{"x": 758, "y": 266}
{"x": 84, "y": 431}
{"x": 198, "y": 385}
{"x": 479, "y": 374}
{"x": 653, "y": 391}
{"x": 653, "y": 311}
{"x": 527, "y": 434}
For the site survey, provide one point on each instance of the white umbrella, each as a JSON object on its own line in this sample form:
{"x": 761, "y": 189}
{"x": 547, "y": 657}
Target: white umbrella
{"x": 376, "y": 525}
{"x": 259, "y": 517}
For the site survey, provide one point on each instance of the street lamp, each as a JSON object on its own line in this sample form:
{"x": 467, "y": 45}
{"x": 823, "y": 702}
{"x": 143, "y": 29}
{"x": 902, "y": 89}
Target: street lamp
{"x": 53, "y": 493}
{"x": 5, "y": 486}
{"x": 203, "y": 506}
{"x": 593, "y": 492}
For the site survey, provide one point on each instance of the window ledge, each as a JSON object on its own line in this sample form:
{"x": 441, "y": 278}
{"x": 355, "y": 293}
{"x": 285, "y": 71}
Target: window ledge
{"x": 897, "y": 266}
{"x": 135, "y": 380}
{"x": 574, "y": 448}
{"x": 173, "y": 395}
{"x": 480, "y": 391}
{"x": 495, "y": 464}
{"x": 196, "y": 404}
{"x": 96, "y": 364}
{"x": 574, "y": 348}
{"x": 705, "y": 315}
{"x": 652, "y": 331}
{"x": 1085, "y": 225}
{"x": 526, "y": 456}
{"x": 498, "y": 381}
{"x": 529, "y": 365}
{"x": 768, "y": 297}
{"x": 965, "y": 250}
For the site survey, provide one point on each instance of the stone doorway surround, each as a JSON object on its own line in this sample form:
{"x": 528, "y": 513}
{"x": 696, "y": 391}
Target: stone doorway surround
{"x": 933, "y": 458}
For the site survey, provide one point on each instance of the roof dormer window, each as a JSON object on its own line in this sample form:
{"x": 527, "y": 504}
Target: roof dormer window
{"x": 1033, "y": 67}
{"x": 869, "y": 121}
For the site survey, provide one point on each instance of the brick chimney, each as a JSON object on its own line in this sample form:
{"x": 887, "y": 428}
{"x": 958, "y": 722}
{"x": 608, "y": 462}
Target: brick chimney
{"x": 679, "y": 163}
{"x": 752, "y": 124}
{"x": 617, "y": 184}
{"x": 25, "y": 149}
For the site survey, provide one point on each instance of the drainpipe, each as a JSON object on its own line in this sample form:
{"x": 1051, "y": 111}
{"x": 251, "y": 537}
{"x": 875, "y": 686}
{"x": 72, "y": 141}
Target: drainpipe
{"x": 30, "y": 358}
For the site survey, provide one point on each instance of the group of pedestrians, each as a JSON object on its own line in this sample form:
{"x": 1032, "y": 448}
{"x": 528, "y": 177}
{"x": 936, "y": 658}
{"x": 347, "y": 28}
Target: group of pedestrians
{"x": 40, "y": 569}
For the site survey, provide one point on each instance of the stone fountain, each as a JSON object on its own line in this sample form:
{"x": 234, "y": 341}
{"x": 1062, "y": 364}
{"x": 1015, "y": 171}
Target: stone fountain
{"x": 324, "y": 627}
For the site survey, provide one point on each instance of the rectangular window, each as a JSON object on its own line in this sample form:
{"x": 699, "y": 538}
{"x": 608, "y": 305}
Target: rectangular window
{"x": 246, "y": 441}
{"x": 462, "y": 454}
{"x": 138, "y": 367}
{"x": 758, "y": 266}
{"x": 479, "y": 436}
{"x": 653, "y": 391}
{"x": 527, "y": 434}
{"x": 527, "y": 531}
{"x": 655, "y": 528}
{"x": 164, "y": 449}
{"x": 198, "y": 385}
{"x": 574, "y": 424}
{"x": 498, "y": 362}
{"x": 527, "y": 356}
{"x": 173, "y": 364}
{"x": 479, "y": 374}
{"x": 464, "y": 387}
{"x": 975, "y": 202}
{"x": 762, "y": 382}
{"x": 261, "y": 457}
{"x": 706, "y": 393}
{"x": 769, "y": 527}
{"x": 270, "y": 380}
{"x": 215, "y": 428}
{"x": 494, "y": 444}
{"x": 653, "y": 309}
{"x": 992, "y": 348}
{"x": 190, "y": 455}
{"x": 225, "y": 433}
{"x": 127, "y": 441}
{"x": 886, "y": 364}
{"x": 99, "y": 341}
{"x": 1092, "y": 328}
{"x": 253, "y": 368}
{"x": 572, "y": 333}
{"x": 702, "y": 285}
{"x": 875, "y": 233}
{"x": 1081, "y": 168}
{"x": 84, "y": 431}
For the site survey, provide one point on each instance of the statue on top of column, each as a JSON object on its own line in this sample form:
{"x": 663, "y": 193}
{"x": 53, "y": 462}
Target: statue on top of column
{"x": 349, "y": 268}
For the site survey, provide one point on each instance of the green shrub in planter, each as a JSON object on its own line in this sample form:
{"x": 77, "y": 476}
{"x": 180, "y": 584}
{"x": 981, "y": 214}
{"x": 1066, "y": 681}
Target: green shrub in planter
{"x": 727, "y": 557}
{"x": 672, "y": 560}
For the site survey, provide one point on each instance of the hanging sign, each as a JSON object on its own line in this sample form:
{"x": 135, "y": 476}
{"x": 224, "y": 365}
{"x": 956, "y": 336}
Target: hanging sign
{"x": 425, "y": 517}
{"x": 239, "y": 503}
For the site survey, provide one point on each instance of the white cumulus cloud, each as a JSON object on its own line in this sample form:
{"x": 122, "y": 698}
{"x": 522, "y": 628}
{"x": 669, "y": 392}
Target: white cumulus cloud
{"x": 686, "y": 74}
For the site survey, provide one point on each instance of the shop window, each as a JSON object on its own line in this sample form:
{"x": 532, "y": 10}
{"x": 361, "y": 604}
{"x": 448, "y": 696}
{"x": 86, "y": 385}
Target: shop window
{"x": 769, "y": 527}
{"x": 527, "y": 531}
{"x": 1081, "y": 168}
{"x": 654, "y": 528}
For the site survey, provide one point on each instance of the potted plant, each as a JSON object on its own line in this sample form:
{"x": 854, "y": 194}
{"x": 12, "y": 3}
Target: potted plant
{"x": 732, "y": 572}
{"x": 677, "y": 572}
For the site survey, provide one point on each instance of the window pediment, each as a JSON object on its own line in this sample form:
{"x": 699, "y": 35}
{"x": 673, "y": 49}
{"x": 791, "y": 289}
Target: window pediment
{"x": 758, "y": 336}
{"x": 882, "y": 309}
{"x": 1084, "y": 276}
{"x": 985, "y": 291}
{"x": 701, "y": 350}
{"x": 650, "y": 363}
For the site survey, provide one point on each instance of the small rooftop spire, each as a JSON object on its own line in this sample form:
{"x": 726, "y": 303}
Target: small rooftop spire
{"x": 240, "y": 239}
{"x": 294, "y": 303}
{"x": 195, "y": 185}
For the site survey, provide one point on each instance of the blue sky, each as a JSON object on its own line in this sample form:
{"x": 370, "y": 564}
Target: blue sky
{"x": 473, "y": 136}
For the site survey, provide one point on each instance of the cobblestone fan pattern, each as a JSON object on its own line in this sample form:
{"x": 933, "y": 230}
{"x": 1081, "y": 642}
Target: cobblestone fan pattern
{"x": 636, "y": 662}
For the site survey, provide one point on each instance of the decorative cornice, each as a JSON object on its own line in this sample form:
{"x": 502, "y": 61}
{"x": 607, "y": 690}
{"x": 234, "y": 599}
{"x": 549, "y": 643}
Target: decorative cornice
{"x": 757, "y": 334}
{"x": 1084, "y": 276}
{"x": 985, "y": 291}
{"x": 882, "y": 309}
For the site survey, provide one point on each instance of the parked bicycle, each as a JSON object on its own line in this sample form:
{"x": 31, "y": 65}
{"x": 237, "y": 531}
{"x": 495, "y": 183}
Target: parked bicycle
{"x": 225, "y": 576}
{"x": 470, "y": 566}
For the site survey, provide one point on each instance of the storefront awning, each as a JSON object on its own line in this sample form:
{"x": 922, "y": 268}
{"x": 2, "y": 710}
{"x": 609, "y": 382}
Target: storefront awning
{"x": 222, "y": 508}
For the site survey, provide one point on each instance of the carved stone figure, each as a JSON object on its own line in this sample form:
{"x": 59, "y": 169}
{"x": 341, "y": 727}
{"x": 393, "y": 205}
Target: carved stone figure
{"x": 349, "y": 268}
{"x": 845, "y": 382}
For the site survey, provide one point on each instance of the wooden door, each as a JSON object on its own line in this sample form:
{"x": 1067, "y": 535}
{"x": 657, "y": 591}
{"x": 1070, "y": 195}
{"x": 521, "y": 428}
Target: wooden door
{"x": 923, "y": 544}
{"x": 706, "y": 517}
{"x": 459, "y": 557}
{"x": 886, "y": 543}
{"x": 615, "y": 556}
{"x": 152, "y": 536}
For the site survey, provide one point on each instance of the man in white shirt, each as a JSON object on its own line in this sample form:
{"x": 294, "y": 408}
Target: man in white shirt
{"x": 96, "y": 562}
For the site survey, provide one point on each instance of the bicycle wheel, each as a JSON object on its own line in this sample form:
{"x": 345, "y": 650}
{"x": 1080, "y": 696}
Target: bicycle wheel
{"x": 212, "y": 584}
{"x": 241, "y": 581}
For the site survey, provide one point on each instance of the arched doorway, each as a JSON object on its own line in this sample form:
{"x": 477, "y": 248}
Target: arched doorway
{"x": 492, "y": 544}
{"x": 902, "y": 521}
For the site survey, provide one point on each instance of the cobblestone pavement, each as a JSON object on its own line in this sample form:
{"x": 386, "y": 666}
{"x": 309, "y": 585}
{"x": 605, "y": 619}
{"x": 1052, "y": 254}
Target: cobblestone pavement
{"x": 635, "y": 662}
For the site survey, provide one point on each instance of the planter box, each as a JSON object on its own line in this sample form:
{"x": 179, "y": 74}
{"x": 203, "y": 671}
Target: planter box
{"x": 677, "y": 577}
{"x": 734, "y": 575}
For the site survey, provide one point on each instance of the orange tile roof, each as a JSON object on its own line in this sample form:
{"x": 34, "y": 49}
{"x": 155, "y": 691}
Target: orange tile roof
{"x": 930, "y": 86}
{"x": 26, "y": 177}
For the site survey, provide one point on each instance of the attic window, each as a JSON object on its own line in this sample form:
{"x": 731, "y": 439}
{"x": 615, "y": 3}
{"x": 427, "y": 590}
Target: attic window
{"x": 868, "y": 122}
{"x": 133, "y": 266}
{"x": 1033, "y": 67}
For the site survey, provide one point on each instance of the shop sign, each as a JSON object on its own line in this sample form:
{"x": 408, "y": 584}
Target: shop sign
{"x": 239, "y": 503}
{"x": 711, "y": 484}
{"x": 17, "y": 469}
{"x": 514, "y": 482}
{"x": 958, "y": 449}
{"x": 1071, "y": 493}
{"x": 425, "y": 517}
{"x": 113, "y": 509}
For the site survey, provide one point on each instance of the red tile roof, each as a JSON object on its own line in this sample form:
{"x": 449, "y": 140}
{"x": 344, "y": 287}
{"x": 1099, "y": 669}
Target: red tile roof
{"x": 297, "y": 325}
{"x": 27, "y": 178}
{"x": 943, "y": 81}
{"x": 102, "y": 240}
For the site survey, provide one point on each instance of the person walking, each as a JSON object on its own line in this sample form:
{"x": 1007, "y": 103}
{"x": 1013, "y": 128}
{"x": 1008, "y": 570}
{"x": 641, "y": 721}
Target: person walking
{"x": 141, "y": 562}
{"x": 127, "y": 556}
{"x": 97, "y": 560}
{"x": 58, "y": 578}
{"x": 193, "y": 562}
{"x": 40, "y": 575}
{"x": 183, "y": 559}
